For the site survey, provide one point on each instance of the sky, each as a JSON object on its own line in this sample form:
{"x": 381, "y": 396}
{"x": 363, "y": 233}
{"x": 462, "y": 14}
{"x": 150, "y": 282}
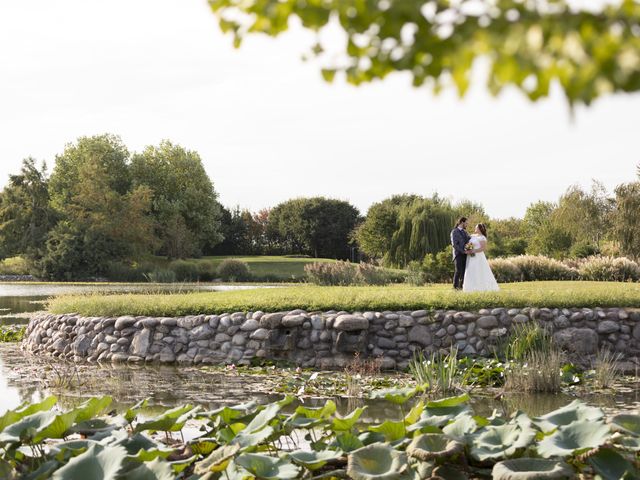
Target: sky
{"x": 266, "y": 125}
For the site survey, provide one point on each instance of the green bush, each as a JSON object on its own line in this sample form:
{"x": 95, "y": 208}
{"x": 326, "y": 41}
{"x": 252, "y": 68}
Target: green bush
{"x": 538, "y": 267}
{"x": 438, "y": 268}
{"x": 231, "y": 270}
{"x": 609, "y": 269}
{"x": 207, "y": 270}
{"x": 161, "y": 275}
{"x": 505, "y": 270}
{"x": 15, "y": 266}
{"x": 372, "y": 275}
{"x": 415, "y": 274}
{"x": 184, "y": 271}
{"x": 584, "y": 250}
{"x": 333, "y": 273}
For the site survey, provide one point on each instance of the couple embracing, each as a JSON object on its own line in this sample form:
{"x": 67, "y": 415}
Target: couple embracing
{"x": 472, "y": 270}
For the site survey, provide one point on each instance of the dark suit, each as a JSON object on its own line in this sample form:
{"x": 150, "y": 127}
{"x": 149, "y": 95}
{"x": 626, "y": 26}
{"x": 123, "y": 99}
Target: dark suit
{"x": 459, "y": 238}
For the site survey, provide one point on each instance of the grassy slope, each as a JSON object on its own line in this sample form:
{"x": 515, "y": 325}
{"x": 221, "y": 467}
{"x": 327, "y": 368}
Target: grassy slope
{"x": 399, "y": 297}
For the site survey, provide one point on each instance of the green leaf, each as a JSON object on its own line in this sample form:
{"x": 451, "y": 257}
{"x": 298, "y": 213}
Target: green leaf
{"x": 218, "y": 460}
{"x": 155, "y": 470}
{"x": 170, "y": 421}
{"x": 531, "y": 468}
{"x": 496, "y": 442}
{"x": 314, "y": 460}
{"x": 398, "y": 396}
{"x": 575, "y": 411}
{"x": 26, "y": 409}
{"x": 376, "y": 462}
{"x": 348, "y": 442}
{"x": 328, "y": 74}
{"x": 102, "y": 463}
{"x": 414, "y": 414}
{"x": 346, "y": 423}
{"x": 574, "y": 438}
{"x": 392, "y": 431}
{"x": 131, "y": 413}
{"x": 202, "y": 446}
{"x": 268, "y": 468}
{"x": 27, "y": 427}
{"x": 460, "y": 427}
{"x": 91, "y": 408}
{"x": 610, "y": 465}
{"x": 432, "y": 446}
{"x": 324, "y": 412}
{"x": 626, "y": 423}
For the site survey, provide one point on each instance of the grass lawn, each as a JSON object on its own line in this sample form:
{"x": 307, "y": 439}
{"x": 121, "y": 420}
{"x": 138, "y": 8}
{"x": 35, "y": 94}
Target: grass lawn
{"x": 396, "y": 297}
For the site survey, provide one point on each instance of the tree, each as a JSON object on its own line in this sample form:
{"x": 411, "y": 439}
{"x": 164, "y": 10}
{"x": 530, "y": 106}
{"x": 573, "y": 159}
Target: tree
{"x": 538, "y": 215}
{"x": 529, "y": 45}
{"x": 374, "y": 234}
{"x": 241, "y": 234}
{"x": 104, "y": 218}
{"x": 473, "y": 211}
{"x": 316, "y": 226}
{"x": 424, "y": 227}
{"x": 507, "y": 237}
{"x": 184, "y": 201}
{"x": 25, "y": 214}
{"x": 627, "y": 218}
{"x": 586, "y": 216}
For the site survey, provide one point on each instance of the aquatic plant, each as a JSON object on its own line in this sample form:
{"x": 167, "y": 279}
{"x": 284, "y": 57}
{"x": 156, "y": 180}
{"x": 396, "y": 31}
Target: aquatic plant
{"x": 435, "y": 439}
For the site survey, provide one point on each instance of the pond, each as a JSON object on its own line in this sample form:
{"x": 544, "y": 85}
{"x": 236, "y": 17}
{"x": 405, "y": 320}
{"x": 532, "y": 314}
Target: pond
{"x": 18, "y": 300}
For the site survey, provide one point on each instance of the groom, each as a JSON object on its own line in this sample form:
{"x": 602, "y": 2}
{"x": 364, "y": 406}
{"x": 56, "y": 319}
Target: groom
{"x": 459, "y": 238}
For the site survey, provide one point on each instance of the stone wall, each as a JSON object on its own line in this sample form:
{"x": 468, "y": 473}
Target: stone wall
{"x": 322, "y": 339}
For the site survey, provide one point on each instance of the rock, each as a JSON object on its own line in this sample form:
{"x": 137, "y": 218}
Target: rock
{"x": 608, "y": 326}
{"x": 260, "y": 334}
{"x": 293, "y": 320}
{"x": 386, "y": 343}
{"x": 119, "y": 357}
{"x": 387, "y": 363}
{"x": 487, "y": 321}
{"x": 81, "y": 345}
{"x": 520, "y": 318}
{"x": 317, "y": 322}
{"x": 140, "y": 343}
{"x": 239, "y": 339}
{"x": 406, "y": 321}
{"x": 202, "y": 332}
{"x": 350, "y": 322}
{"x": 419, "y": 313}
{"x": 441, "y": 333}
{"x": 271, "y": 320}
{"x": 124, "y": 322}
{"x": 420, "y": 334}
{"x": 582, "y": 341}
{"x": 636, "y": 332}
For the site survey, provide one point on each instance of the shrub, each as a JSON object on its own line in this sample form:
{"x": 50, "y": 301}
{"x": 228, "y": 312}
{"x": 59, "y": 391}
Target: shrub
{"x": 332, "y": 273}
{"x": 371, "y": 275}
{"x": 505, "y": 270}
{"x": 161, "y": 275}
{"x": 438, "y": 267}
{"x": 185, "y": 271}
{"x": 584, "y": 250}
{"x": 609, "y": 269}
{"x": 526, "y": 338}
{"x": 207, "y": 270}
{"x": 540, "y": 372}
{"x": 231, "y": 270}
{"x": 415, "y": 274}
{"x": 538, "y": 267}
{"x": 15, "y": 266}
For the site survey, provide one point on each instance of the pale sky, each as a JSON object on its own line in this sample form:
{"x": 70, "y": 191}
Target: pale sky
{"x": 268, "y": 128}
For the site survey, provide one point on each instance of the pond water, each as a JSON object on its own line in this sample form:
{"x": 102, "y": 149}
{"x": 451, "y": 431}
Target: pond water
{"x": 27, "y": 378}
{"x": 18, "y": 300}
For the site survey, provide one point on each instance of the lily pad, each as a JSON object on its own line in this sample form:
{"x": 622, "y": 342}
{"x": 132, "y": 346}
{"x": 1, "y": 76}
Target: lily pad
{"x": 447, "y": 472}
{"x": 574, "y": 412}
{"x": 610, "y": 465}
{"x": 217, "y": 460}
{"x": 267, "y": 468}
{"x": 376, "y": 462}
{"x": 531, "y": 469}
{"x": 398, "y": 396}
{"x": 97, "y": 462}
{"x": 155, "y": 470}
{"x": 501, "y": 441}
{"x": 314, "y": 460}
{"x": 170, "y": 421}
{"x": 574, "y": 438}
{"x": 432, "y": 446}
{"x": 626, "y": 423}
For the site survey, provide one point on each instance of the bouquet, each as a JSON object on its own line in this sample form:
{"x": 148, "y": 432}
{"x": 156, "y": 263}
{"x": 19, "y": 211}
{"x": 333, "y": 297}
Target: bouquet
{"x": 469, "y": 247}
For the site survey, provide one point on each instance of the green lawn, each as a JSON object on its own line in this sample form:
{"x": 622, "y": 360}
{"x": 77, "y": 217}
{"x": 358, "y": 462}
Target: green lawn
{"x": 397, "y": 297}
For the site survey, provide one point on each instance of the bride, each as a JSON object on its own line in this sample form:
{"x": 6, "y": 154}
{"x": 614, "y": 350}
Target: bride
{"x": 478, "y": 276}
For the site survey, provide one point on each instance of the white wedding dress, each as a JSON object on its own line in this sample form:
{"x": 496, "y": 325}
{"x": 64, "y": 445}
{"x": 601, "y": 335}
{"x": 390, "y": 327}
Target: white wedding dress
{"x": 478, "y": 276}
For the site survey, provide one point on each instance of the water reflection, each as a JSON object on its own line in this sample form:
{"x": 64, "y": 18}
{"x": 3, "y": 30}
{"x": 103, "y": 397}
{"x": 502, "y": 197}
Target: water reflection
{"x": 28, "y": 378}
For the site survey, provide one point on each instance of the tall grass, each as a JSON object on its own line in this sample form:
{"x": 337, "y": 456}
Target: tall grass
{"x": 540, "y": 372}
{"x": 606, "y": 368}
{"x": 440, "y": 374}
{"x": 526, "y": 338}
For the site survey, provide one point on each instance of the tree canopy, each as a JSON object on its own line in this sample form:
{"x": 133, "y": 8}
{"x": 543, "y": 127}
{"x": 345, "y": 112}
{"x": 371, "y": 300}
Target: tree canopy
{"x": 527, "y": 44}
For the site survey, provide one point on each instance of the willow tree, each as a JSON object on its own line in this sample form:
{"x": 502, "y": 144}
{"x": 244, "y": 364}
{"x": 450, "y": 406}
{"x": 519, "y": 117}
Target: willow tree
{"x": 423, "y": 227}
{"x": 527, "y": 44}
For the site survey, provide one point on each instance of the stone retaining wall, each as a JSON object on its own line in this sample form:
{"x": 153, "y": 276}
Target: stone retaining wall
{"x": 322, "y": 339}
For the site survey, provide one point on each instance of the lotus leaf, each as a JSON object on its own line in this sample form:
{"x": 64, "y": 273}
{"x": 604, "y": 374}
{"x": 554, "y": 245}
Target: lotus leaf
{"x": 97, "y": 462}
{"x": 131, "y": 413}
{"x": 92, "y": 407}
{"x": 217, "y": 460}
{"x": 627, "y": 442}
{"x": 376, "y": 462}
{"x": 414, "y": 414}
{"x": 267, "y": 468}
{"x": 155, "y": 470}
{"x": 203, "y": 446}
{"x": 610, "y": 465}
{"x": 348, "y": 442}
{"x": 170, "y": 421}
{"x": 27, "y": 427}
{"x": 267, "y": 414}
{"x": 433, "y": 446}
{"x": 575, "y": 411}
{"x": 392, "y": 431}
{"x": 246, "y": 439}
{"x": 323, "y": 412}
{"x": 398, "y": 396}
{"x": 626, "y": 423}
{"x": 24, "y": 410}
{"x": 461, "y": 427}
{"x": 230, "y": 414}
{"x": 531, "y": 469}
{"x": 447, "y": 472}
{"x": 574, "y": 438}
{"x": 314, "y": 460}
{"x": 340, "y": 423}
{"x": 43, "y": 472}
{"x": 501, "y": 441}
